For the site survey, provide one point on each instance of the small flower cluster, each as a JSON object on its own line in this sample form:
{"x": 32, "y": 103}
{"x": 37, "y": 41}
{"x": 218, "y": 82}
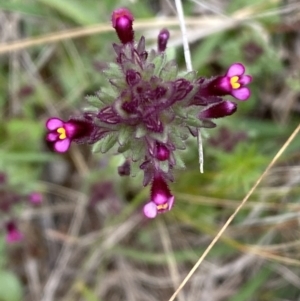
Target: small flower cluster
{"x": 9, "y": 199}
{"x": 148, "y": 110}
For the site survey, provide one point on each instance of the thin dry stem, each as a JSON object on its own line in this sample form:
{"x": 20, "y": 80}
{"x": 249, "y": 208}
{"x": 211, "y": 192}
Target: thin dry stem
{"x": 189, "y": 67}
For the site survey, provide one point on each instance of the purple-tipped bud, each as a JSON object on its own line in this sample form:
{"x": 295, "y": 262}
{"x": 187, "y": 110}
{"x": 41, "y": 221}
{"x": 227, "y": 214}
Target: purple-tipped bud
{"x": 12, "y": 233}
{"x": 62, "y": 133}
{"x": 35, "y": 198}
{"x": 122, "y": 20}
{"x": 219, "y": 110}
{"x": 132, "y": 77}
{"x": 162, "y": 40}
{"x": 161, "y": 198}
{"x": 162, "y": 152}
{"x": 124, "y": 169}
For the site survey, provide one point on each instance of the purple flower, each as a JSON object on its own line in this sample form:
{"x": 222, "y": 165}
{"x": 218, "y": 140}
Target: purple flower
{"x": 234, "y": 82}
{"x": 219, "y": 110}
{"x": 162, "y": 40}
{"x": 122, "y": 22}
{"x": 147, "y": 110}
{"x": 62, "y": 133}
{"x": 12, "y": 233}
{"x": 35, "y": 198}
{"x": 161, "y": 198}
{"x": 210, "y": 91}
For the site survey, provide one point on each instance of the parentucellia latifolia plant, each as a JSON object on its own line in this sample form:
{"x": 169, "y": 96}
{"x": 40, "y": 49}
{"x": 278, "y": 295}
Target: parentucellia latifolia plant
{"x": 148, "y": 110}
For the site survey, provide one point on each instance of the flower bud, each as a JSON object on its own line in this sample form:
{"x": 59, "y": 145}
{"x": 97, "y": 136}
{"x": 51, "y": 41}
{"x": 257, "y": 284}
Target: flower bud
{"x": 122, "y": 20}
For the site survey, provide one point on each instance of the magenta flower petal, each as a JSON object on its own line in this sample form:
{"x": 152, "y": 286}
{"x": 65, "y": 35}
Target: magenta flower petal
{"x": 52, "y": 136}
{"x": 150, "y": 210}
{"x": 236, "y": 69}
{"x": 245, "y": 79}
{"x": 54, "y": 123}
{"x": 241, "y": 93}
{"x": 160, "y": 198}
{"x": 62, "y": 146}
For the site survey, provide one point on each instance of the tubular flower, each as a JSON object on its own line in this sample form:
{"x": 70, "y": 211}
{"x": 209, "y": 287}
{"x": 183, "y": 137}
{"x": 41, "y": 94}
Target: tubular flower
{"x": 233, "y": 83}
{"x": 161, "y": 198}
{"x": 147, "y": 111}
{"x": 61, "y": 133}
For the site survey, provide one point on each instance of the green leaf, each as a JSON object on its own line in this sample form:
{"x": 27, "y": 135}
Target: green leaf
{"x": 193, "y": 121}
{"x": 148, "y": 72}
{"x": 124, "y": 148}
{"x": 93, "y": 100}
{"x": 105, "y": 144}
{"x": 175, "y": 137}
{"x": 169, "y": 71}
{"x": 113, "y": 71}
{"x": 164, "y": 166}
{"x": 162, "y": 137}
{"x": 158, "y": 64}
{"x": 107, "y": 95}
{"x": 179, "y": 163}
{"x": 140, "y": 132}
{"x": 125, "y": 133}
{"x": 10, "y": 287}
{"x": 138, "y": 151}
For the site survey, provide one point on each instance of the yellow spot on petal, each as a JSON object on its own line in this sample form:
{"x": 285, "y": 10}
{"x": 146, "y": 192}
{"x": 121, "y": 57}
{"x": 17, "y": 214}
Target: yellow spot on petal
{"x": 234, "y": 83}
{"x": 162, "y": 206}
{"x": 62, "y": 133}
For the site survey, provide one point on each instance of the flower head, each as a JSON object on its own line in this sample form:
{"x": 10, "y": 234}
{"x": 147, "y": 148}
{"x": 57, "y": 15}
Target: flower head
{"x": 62, "y": 133}
{"x": 161, "y": 198}
{"x": 147, "y": 110}
{"x": 12, "y": 233}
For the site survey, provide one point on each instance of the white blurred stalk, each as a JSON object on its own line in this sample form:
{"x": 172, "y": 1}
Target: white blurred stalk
{"x": 188, "y": 61}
